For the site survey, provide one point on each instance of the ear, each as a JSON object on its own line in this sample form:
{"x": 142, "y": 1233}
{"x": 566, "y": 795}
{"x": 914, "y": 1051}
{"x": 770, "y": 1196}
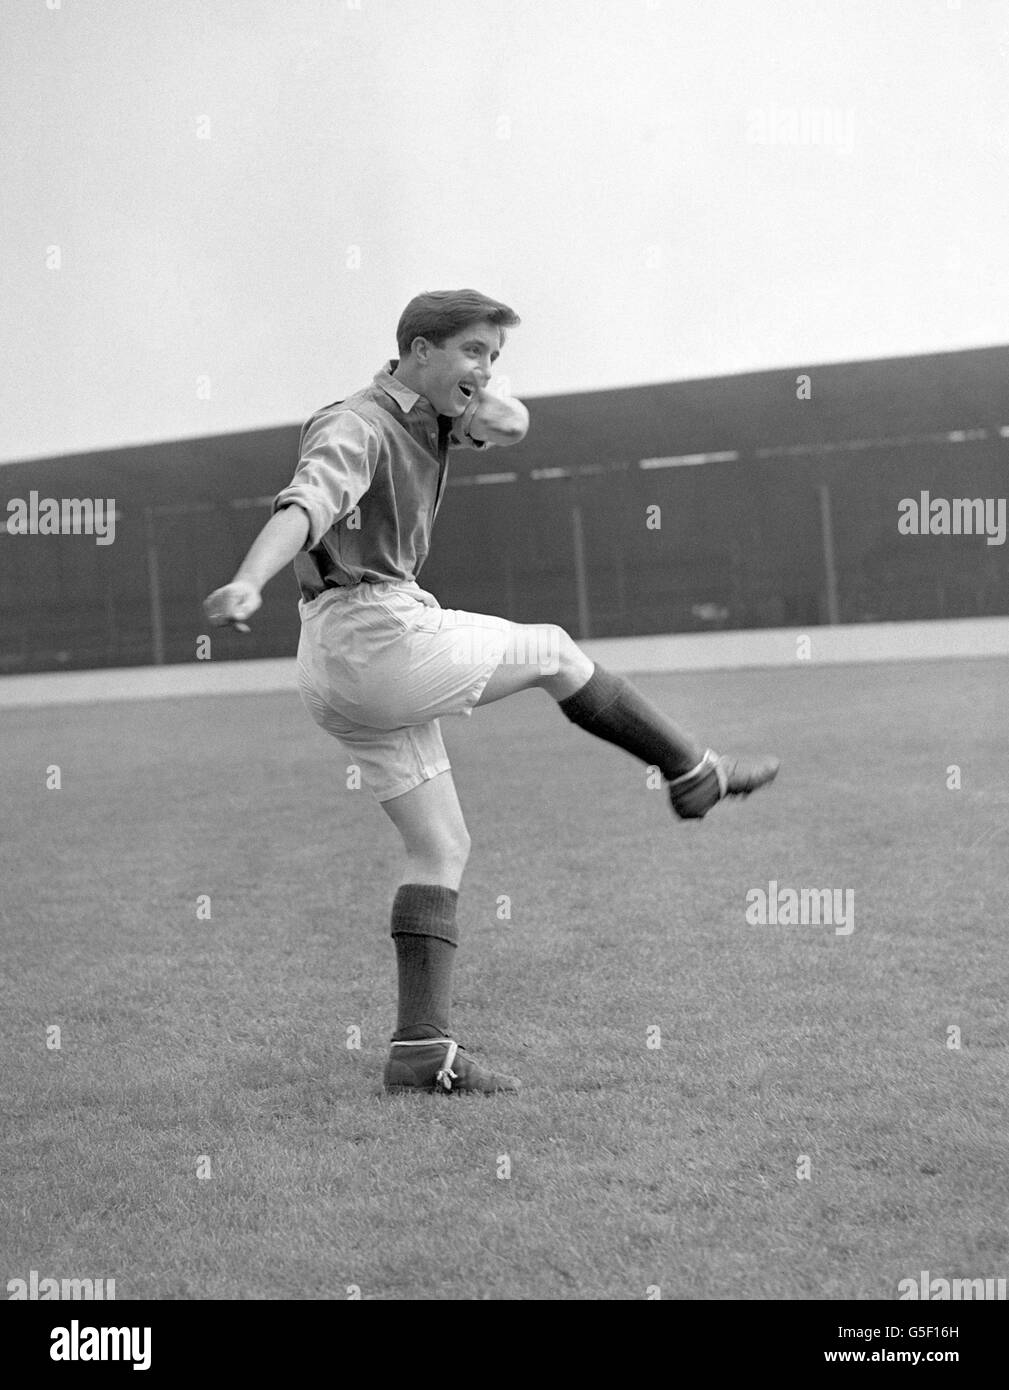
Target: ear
{"x": 420, "y": 349}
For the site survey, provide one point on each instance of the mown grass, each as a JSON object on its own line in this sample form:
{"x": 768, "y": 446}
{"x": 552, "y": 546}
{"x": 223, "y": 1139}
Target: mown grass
{"x": 630, "y": 1167}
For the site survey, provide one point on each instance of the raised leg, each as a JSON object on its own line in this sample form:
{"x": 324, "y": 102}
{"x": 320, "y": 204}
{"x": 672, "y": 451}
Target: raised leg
{"x": 613, "y": 709}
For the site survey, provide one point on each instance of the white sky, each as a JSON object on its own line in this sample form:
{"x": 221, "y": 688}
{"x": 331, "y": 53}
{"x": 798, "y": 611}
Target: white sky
{"x": 623, "y": 172}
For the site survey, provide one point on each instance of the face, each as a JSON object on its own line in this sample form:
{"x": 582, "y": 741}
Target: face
{"x": 448, "y": 375}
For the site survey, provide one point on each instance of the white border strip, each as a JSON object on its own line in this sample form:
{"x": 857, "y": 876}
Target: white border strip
{"x": 846, "y": 644}
{"x": 703, "y": 651}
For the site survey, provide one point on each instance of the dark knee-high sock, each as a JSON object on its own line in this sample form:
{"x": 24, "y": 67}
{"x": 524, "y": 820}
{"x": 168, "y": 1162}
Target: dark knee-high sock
{"x": 424, "y": 930}
{"x": 612, "y": 709}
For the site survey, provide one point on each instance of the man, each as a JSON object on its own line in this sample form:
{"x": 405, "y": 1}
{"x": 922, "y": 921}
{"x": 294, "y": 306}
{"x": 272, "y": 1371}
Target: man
{"x": 380, "y": 661}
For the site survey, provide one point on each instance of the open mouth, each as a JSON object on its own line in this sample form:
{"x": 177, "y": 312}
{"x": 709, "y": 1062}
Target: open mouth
{"x": 466, "y": 388}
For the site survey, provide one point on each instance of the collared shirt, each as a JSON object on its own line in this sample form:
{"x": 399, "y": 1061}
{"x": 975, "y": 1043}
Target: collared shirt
{"x": 371, "y": 477}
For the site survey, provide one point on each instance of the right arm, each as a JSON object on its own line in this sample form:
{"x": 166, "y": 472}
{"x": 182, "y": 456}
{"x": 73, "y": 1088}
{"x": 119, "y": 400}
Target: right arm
{"x": 338, "y": 456}
{"x": 277, "y": 544}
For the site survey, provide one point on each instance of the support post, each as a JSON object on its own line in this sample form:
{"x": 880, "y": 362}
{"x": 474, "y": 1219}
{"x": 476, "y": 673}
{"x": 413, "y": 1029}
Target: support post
{"x": 829, "y": 567}
{"x": 581, "y": 581}
{"x": 154, "y": 591}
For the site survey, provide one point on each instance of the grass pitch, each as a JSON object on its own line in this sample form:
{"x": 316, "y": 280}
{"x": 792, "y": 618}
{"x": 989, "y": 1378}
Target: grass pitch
{"x": 221, "y": 1046}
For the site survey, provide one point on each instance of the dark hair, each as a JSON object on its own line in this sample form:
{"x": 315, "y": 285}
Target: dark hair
{"x": 440, "y": 314}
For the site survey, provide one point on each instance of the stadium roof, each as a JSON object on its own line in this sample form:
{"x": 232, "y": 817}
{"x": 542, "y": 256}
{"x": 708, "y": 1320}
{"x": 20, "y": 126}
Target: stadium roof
{"x": 753, "y": 415}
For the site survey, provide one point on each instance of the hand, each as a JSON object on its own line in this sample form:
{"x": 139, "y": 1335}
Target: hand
{"x": 495, "y": 419}
{"x": 462, "y": 422}
{"x": 228, "y": 606}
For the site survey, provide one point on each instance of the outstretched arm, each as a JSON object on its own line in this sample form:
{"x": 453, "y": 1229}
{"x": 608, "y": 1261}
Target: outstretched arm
{"x": 278, "y": 542}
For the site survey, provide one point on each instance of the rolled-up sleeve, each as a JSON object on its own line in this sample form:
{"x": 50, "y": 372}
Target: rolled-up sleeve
{"x": 338, "y": 457}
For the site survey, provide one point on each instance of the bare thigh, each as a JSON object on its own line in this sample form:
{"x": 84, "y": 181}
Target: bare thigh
{"x": 538, "y": 654}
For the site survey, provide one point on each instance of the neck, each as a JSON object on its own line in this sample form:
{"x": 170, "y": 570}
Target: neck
{"x": 407, "y": 374}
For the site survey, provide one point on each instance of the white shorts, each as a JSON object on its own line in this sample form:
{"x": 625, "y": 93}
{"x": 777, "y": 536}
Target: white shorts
{"x": 378, "y": 664}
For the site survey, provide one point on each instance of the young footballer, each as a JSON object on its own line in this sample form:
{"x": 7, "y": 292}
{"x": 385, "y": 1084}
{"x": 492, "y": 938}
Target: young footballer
{"x": 380, "y": 661}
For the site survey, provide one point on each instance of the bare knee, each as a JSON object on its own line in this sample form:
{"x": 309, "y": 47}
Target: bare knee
{"x": 439, "y": 858}
{"x": 459, "y": 847}
{"x": 568, "y": 668}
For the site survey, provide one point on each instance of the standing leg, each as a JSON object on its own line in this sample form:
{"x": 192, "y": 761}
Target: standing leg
{"x": 424, "y": 1054}
{"x": 431, "y": 825}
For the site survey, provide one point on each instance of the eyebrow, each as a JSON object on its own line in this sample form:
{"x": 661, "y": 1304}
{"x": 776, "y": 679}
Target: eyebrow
{"x": 482, "y": 342}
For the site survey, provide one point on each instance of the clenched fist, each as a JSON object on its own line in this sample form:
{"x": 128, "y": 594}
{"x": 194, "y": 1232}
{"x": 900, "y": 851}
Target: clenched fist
{"x": 494, "y": 419}
{"x": 232, "y": 604}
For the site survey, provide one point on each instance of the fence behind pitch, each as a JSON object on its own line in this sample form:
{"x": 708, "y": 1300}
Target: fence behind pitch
{"x": 732, "y": 503}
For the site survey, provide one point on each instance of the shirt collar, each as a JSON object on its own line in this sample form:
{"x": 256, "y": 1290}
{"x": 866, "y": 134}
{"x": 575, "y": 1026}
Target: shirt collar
{"x": 392, "y": 386}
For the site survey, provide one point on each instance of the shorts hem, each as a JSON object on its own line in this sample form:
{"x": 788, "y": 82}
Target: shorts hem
{"x": 475, "y": 691}
{"x": 415, "y": 779}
